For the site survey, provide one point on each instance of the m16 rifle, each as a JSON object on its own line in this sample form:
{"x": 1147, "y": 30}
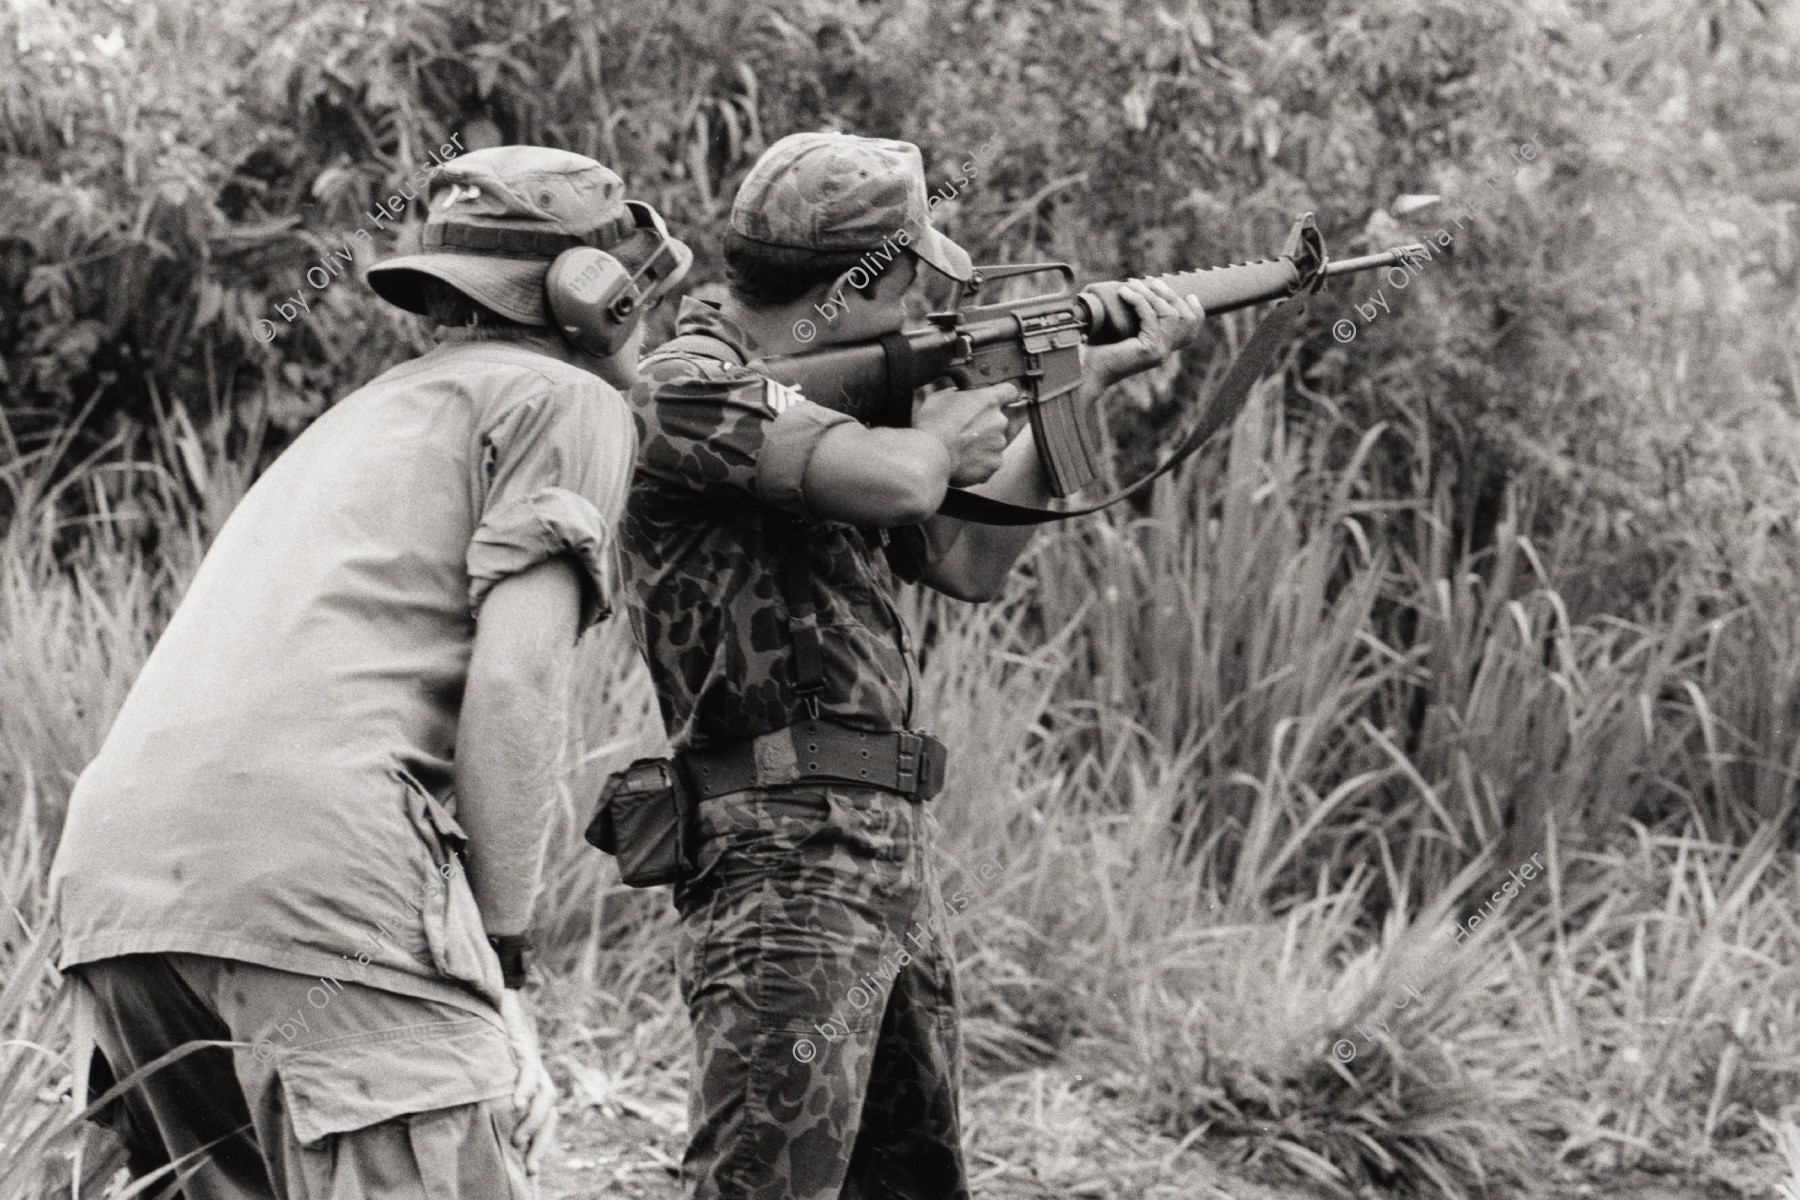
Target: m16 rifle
{"x": 1036, "y": 343}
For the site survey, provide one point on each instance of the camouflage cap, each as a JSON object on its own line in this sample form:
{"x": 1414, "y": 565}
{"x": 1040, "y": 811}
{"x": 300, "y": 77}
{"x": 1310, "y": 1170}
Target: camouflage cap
{"x": 498, "y": 218}
{"x": 835, "y": 191}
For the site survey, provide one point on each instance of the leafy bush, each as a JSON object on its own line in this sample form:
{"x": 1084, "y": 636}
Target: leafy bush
{"x": 1597, "y": 325}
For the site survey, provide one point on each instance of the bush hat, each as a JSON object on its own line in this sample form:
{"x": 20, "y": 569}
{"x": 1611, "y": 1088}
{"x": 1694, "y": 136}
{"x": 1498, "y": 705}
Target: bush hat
{"x": 498, "y": 218}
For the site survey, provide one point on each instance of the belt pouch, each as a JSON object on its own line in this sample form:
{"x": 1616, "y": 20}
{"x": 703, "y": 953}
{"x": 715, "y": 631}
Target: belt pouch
{"x": 644, "y": 821}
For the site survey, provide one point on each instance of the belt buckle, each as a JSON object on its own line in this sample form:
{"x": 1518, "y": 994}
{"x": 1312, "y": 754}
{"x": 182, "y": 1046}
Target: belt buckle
{"x": 906, "y": 763}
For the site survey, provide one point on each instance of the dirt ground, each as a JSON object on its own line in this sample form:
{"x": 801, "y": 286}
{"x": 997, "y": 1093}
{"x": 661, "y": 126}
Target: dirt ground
{"x": 1029, "y": 1136}
{"x": 1038, "y": 1135}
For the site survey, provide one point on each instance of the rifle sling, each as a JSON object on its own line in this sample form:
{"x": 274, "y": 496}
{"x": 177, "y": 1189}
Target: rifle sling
{"x": 1245, "y": 370}
{"x": 896, "y": 349}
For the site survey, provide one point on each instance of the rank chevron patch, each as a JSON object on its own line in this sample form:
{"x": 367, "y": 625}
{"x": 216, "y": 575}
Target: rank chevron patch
{"x": 780, "y": 397}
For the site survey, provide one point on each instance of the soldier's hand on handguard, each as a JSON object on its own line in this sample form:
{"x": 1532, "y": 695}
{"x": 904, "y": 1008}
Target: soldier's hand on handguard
{"x": 1166, "y": 323}
{"x": 972, "y": 423}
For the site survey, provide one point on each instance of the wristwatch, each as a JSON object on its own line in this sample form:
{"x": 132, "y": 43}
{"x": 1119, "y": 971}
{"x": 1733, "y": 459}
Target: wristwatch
{"x": 510, "y": 950}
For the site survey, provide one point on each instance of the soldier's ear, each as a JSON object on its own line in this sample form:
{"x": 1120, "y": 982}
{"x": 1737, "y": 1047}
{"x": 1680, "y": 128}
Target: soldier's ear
{"x": 897, "y": 279}
{"x": 878, "y": 278}
{"x": 858, "y": 279}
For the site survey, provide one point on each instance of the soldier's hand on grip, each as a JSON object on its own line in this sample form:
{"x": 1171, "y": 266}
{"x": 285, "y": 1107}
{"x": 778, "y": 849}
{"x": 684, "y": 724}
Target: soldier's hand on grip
{"x": 973, "y": 424}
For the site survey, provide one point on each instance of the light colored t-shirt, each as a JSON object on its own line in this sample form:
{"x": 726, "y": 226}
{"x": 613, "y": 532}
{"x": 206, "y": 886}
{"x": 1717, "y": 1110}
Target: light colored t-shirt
{"x": 276, "y": 787}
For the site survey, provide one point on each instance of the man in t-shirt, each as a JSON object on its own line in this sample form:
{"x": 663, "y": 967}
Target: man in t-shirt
{"x": 316, "y": 827}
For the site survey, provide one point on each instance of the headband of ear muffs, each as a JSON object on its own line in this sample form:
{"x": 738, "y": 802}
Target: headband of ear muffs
{"x": 596, "y": 300}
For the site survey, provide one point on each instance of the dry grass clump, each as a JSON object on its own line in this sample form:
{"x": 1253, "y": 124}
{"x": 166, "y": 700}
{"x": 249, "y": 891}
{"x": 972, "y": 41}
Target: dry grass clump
{"x": 1242, "y": 774}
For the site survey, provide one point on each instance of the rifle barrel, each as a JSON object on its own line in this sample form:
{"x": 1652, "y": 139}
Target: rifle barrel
{"x": 1371, "y": 262}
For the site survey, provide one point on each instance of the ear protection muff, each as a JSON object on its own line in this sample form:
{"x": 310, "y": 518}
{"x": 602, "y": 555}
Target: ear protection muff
{"x": 596, "y": 301}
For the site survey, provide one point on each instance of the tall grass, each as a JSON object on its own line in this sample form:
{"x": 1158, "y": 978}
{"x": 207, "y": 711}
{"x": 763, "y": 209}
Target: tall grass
{"x": 1245, "y": 758}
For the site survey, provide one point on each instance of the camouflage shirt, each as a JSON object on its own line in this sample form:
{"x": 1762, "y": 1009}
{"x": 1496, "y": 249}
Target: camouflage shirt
{"x": 715, "y": 503}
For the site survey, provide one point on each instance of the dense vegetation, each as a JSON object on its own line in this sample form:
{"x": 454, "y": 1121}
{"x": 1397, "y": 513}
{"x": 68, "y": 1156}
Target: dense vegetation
{"x": 1505, "y": 573}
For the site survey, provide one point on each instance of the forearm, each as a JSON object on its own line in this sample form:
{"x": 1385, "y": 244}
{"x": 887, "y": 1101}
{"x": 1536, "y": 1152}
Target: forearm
{"x": 971, "y": 561}
{"x": 510, "y": 736}
{"x": 877, "y": 477}
{"x": 506, "y": 767}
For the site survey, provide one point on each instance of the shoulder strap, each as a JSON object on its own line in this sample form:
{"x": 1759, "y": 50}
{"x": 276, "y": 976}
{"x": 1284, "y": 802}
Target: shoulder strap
{"x": 803, "y": 615}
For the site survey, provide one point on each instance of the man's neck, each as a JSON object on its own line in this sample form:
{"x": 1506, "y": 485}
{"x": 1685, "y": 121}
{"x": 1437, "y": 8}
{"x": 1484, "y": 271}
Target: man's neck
{"x": 544, "y": 341}
{"x": 770, "y": 330}
{"x": 798, "y": 327}
{"x": 479, "y": 333}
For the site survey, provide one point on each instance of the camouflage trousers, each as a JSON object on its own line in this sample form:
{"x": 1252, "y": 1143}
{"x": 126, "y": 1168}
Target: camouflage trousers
{"x": 814, "y": 963}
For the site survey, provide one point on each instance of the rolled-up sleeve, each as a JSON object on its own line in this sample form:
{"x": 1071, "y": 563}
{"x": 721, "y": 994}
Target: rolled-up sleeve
{"x": 555, "y": 470}
{"x": 729, "y": 434}
{"x": 788, "y": 446}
